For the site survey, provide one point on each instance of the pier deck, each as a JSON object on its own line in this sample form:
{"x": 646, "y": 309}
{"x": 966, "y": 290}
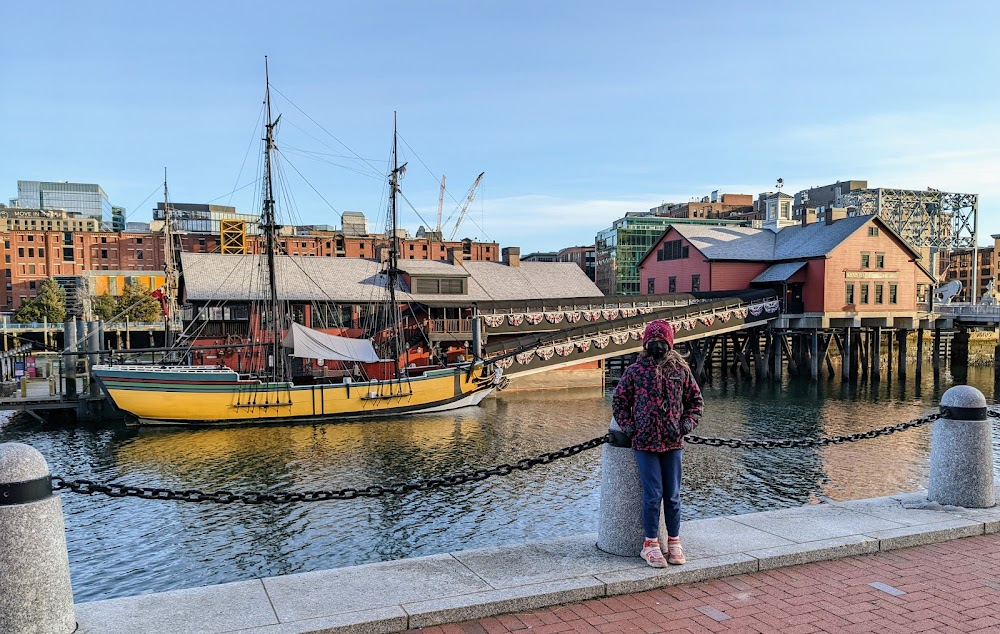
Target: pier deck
{"x": 477, "y": 584}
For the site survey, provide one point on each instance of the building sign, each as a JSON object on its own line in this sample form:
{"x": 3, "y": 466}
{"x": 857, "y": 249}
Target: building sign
{"x": 871, "y": 275}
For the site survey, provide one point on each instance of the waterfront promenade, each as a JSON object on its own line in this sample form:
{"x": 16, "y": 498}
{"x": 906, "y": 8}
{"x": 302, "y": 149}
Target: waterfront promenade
{"x": 748, "y": 555}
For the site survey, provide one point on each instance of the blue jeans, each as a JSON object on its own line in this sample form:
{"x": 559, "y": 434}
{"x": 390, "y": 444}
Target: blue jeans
{"x": 660, "y": 474}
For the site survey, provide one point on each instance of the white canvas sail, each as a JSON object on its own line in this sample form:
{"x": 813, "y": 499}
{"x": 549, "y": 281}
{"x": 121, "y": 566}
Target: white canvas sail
{"x": 308, "y": 343}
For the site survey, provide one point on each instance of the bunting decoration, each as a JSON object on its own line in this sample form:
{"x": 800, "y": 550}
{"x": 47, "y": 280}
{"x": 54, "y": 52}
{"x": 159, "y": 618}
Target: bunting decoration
{"x": 689, "y": 324}
{"x": 610, "y": 315}
{"x": 515, "y": 320}
{"x": 590, "y": 315}
{"x": 741, "y": 313}
{"x": 676, "y": 325}
{"x": 708, "y": 320}
{"x": 524, "y": 357}
{"x": 601, "y": 341}
{"x": 726, "y": 316}
{"x": 619, "y": 337}
{"x": 573, "y": 317}
{"x": 564, "y": 349}
{"x": 553, "y": 318}
{"x": 545, "y": 353}
{"x": 771, "y": 306}
{"x": 756, "y": 310}
{"x": 533, "y": 318}
{"x": 636, "y": 334}
{"x": 645, "y": 310}
{"x": 493, "y": 320}
{"x": 504, "y": 363}
{"x": 583, "y": 345}
{"x": 629, "y": 312}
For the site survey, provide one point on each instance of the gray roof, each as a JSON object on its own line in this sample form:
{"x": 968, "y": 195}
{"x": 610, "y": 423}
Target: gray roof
{"x": 779, "y": 272}
{"x": 814, "y": 240}
{"x": 210, "y": 276}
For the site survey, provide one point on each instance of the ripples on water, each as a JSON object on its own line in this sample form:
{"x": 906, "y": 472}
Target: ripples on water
{"x": 121, "y": 547}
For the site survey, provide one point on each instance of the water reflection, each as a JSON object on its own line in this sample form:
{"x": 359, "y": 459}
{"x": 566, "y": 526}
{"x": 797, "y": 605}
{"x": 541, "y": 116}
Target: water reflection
{"x": 123, "y": 547}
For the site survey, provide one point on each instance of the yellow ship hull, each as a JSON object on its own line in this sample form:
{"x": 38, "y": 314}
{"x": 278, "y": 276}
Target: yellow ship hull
{"x": 200, "y": 396}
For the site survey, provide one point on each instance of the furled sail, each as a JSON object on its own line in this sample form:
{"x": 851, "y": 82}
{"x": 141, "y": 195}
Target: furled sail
{"x": 309, "y": 343}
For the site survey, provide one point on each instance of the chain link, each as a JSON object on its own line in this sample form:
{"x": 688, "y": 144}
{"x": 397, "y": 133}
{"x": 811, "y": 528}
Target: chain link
{"x": 87, "y": 487}
{"x": 823, "y": 441}
{"x": 114, "y": 490}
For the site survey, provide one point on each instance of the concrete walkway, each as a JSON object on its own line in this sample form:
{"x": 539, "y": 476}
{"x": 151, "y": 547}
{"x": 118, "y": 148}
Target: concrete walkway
{"x": 939, "y": 588}
{"x": 473, "y": 584}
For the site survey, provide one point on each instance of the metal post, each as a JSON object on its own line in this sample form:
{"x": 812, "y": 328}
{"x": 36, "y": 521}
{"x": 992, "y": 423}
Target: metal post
{"x": 69, "y": 361}
{"x": 962, "y": 451}
{"x": 101, "y": 345}
{"x": 35, "y": 585}
{"x": 619, "y": 528}
{"x": 477, "y": 336}
{"x": 93, "y": 345}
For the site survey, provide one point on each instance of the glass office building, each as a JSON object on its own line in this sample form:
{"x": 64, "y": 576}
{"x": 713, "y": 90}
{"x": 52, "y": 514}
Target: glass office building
{"x": 85, "y": 199}
{"x": 199, "y": 218}
{"x": 620, "y": 248}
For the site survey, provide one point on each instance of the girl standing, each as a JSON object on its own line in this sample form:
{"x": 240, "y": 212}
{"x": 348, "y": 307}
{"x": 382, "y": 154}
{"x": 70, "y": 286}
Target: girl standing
{"x": 657, "y": 402}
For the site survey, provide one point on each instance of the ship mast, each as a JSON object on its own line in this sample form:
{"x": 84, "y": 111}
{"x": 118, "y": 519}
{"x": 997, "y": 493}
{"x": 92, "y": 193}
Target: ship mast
{"x": 270, "y": 230}
{"x": 395, "y": 315}
{"x": 169, "y": 266}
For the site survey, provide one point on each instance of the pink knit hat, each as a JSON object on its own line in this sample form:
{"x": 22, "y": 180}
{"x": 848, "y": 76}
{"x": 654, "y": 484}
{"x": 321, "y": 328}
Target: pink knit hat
{"x": 659, "y": 329}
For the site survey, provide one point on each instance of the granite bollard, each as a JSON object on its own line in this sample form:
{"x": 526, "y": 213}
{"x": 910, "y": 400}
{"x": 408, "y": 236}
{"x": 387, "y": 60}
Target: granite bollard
{"x": 962, "y": 451}
{"x": 619, "y": 531}
{"x": 35, "y": 592}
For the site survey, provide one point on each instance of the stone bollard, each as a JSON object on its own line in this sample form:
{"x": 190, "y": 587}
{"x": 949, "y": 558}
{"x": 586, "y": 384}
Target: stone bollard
{"x": 34, "y": 584}
{"x": 619, "y": 530}
{"x": 962, "y": 451}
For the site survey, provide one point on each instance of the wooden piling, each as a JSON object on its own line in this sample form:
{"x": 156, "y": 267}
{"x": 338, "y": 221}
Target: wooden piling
{"x": 901, "y": 336}
{"x": 876, "y": 353}
{"x": 920, "y": 352}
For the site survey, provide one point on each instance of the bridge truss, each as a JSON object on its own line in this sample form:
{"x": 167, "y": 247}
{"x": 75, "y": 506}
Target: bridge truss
{"x": 943, "y": 221}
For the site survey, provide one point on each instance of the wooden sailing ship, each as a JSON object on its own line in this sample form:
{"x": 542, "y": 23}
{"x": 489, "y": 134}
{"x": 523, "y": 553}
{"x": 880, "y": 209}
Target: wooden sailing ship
{"x": 378, "y": 384}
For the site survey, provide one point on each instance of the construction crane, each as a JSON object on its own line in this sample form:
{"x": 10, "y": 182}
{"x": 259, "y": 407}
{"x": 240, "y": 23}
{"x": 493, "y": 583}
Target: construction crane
{"x": 469, "y": 197}
{"x": 440, "y": 203}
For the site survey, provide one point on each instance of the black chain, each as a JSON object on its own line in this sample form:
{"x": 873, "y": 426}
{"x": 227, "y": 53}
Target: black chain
{"x": 283, "y": 497}
{"x": 88, "y": 487}
{"x": 787, "y": 443}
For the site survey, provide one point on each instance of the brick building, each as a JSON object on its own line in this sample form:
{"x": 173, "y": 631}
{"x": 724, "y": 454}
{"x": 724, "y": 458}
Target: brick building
{"x": 33, "y": 256}
{"x": 716, "y": 206}
{"x": 584, "y": 257}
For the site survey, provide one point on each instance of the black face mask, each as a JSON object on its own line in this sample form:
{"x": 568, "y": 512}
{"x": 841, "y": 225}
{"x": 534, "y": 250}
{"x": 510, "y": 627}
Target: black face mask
{"x": 656, "y": 349}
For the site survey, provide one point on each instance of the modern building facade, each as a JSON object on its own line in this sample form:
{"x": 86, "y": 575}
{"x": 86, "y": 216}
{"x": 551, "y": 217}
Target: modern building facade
{"x": 85, "y": 199}
{"x": 199, "y": 218}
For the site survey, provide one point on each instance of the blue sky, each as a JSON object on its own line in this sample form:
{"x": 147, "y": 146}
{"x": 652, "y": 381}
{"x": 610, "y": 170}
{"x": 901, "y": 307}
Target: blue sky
{"x": 576, "y": 111}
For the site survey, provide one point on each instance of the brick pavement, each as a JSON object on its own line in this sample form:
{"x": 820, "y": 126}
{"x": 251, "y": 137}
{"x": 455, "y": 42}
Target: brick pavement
{"x": 948, "y": 587}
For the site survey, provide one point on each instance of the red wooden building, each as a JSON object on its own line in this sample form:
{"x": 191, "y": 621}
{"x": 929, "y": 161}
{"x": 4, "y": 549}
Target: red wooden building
{"x": 829, "y": 273}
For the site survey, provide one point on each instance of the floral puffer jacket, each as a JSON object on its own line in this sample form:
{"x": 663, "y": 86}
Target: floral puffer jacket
{"x": 657, "y": 404}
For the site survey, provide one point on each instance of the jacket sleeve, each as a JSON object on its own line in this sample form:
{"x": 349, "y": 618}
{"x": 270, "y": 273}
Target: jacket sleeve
{"x": 693, "y": 404}
{"x": 622, "y": 402}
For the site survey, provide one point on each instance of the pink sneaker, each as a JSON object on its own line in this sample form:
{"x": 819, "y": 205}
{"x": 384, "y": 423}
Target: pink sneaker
{"x": 675, "y": 554}
{"x": 652, "y": 554}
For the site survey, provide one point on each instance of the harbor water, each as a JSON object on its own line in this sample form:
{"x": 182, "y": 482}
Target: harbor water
{"x": 125, "y": 546}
